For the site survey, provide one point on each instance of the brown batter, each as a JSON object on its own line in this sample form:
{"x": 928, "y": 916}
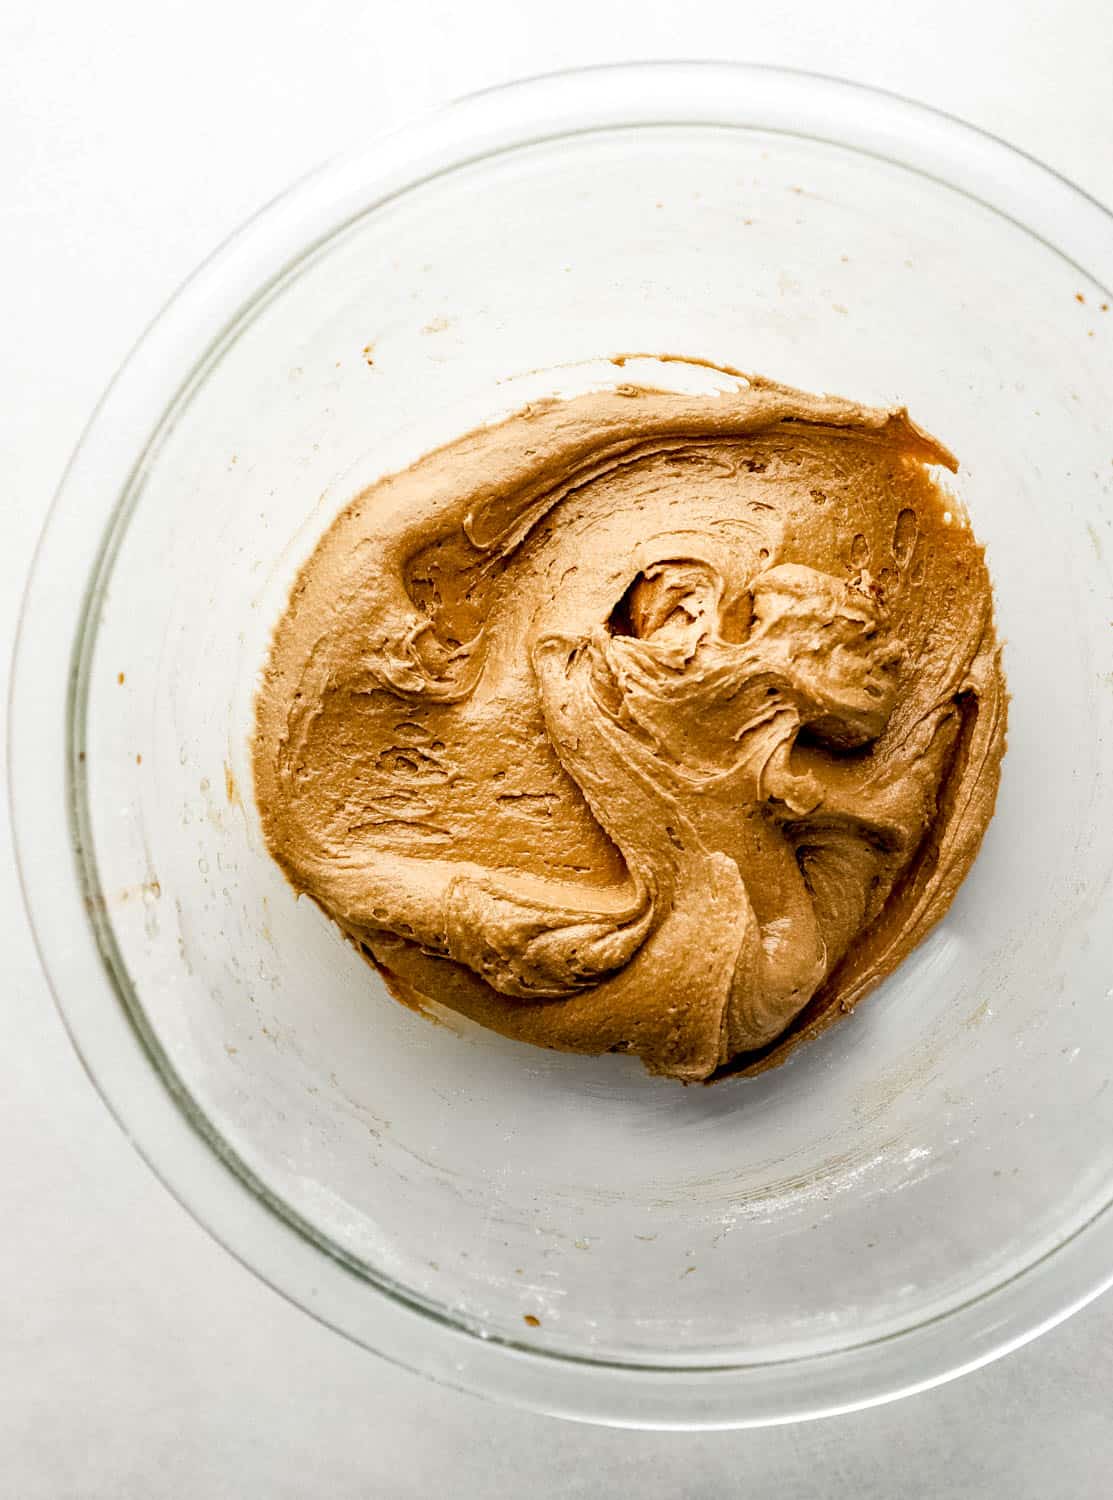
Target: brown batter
{"x": 641, "y": 721}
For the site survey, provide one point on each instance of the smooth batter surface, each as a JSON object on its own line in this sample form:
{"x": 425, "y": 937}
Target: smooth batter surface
{"x": 641, "y": 721}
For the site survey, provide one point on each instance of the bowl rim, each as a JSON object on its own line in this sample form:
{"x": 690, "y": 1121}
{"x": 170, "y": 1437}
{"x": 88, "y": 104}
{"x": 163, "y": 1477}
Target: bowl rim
{"x": 85, "y": 522}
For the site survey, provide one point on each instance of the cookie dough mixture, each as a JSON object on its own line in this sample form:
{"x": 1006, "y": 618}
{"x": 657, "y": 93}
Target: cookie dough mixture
{"x": 645, "y": 722}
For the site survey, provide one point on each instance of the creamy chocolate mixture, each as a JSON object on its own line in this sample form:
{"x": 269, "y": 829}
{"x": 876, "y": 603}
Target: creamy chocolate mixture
{"x": 641, "y": 721}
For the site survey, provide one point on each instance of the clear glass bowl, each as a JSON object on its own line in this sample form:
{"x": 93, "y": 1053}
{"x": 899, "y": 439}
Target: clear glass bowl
{"x": 922, "y": 1188}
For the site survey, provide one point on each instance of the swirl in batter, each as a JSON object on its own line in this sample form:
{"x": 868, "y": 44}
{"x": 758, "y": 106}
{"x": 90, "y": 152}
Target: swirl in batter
{"x": 641, "y": 721}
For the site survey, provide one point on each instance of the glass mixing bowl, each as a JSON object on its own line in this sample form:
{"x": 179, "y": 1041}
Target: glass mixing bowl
{"x": 922, "y": 1188}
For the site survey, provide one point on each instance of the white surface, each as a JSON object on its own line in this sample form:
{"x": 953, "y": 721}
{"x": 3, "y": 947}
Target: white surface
{"x": 135, "y": 1357}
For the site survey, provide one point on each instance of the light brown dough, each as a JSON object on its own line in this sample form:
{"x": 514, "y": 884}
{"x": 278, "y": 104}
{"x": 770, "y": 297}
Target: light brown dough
{"x": 641, "y": 721}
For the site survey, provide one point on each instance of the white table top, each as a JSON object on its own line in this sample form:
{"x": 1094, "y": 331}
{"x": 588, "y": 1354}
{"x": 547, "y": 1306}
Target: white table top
{"x": 136, "y": 1357}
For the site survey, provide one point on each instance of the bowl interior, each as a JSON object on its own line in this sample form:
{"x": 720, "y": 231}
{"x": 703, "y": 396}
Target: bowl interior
{"x": 945, "y": 1136}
